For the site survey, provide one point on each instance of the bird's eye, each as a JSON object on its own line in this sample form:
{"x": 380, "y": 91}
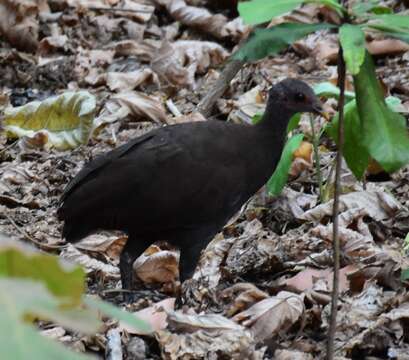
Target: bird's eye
{"x": 299, "y": 97}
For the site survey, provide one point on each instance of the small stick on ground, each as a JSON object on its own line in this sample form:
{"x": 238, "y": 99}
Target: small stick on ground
{"x": 206, "y": 105}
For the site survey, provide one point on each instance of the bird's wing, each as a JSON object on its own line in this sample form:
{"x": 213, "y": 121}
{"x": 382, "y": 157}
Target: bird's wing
{"x": 96, "y": 165}
{"x": 153, "y": 181}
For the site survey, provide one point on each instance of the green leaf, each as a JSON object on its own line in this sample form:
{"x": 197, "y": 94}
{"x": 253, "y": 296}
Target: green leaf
{"x": 277, "y": 181}
{"x": 384, "y": 132}
{"x": 393, "y": 20}
{"x": 364, "y": 8}
{"x": 21, "y": 300}
{"x": 64, "y": 121}
{"x": 293, "y": 123}
{"x": 326, "y": 89}
{"x": 264, "y": 42}
{"x": 62, "y": 279}
{"x": 352, "y": 40}
{"x": 260, "y": 11}
{"x": 122, "y": 315}
{"x": 355, "y": 152}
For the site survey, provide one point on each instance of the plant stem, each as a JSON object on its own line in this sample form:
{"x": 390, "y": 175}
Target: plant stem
{"x": 315, "y": 142}
{"x": 335, "y": 210}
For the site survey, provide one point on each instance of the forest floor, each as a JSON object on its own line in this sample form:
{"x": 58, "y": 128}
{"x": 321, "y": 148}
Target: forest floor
{"x": 268, "y": 276}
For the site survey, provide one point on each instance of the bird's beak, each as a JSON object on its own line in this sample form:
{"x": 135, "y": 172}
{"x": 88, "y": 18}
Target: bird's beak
{"x": 319, "y": 109}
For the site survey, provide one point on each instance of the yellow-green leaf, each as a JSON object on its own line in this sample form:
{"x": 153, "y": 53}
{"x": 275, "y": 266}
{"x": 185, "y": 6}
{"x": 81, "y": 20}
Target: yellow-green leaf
{"x": 65, "y": 120}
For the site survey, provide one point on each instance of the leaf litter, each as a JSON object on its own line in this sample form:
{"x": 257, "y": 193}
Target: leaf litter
{"x": 262, "y": 287}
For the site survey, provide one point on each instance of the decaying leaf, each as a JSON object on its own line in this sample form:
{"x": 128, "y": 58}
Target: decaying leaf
{"x": 109, "y": 245}
{"x": 272, "y": 315}
{"x": 65, "y": 121}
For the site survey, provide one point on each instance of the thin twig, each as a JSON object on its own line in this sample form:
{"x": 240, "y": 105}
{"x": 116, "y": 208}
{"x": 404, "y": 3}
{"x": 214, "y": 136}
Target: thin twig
{"x": 95, "y": 8}
{"x": 335, "y": 210}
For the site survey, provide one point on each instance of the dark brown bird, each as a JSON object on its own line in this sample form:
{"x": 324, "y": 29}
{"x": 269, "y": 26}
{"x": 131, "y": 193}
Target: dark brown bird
{"x": 181, "y": 183}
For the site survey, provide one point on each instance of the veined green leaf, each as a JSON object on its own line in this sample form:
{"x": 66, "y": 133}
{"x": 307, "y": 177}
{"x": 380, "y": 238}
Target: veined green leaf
{"x": 277, "y": 181}
{"x": 365, "y": 8}
{"x": 352, "y": 40}
{"x": 264, "y": 42}
{"x": 259, "y": 11}
{"x": 383, "y": 132}
{"x": 62, "y": 279}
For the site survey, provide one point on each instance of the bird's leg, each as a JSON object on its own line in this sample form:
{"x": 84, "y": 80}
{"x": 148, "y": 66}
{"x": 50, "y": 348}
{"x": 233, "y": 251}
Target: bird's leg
{"x": 189, "y": 257}
{"x": 132, "y": 250}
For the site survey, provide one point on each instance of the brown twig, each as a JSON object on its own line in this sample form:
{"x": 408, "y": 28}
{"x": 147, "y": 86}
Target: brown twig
{"x": 206, "y": 105}
{"x": 335, "y": 210}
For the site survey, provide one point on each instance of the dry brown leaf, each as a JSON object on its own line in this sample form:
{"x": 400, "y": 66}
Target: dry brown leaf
{"x": 157, "y": 266}
{"x": 378, "y": 205}
{"x": 177, "y": 63}
{"x": 292, "y": 355}
{"x": 241, "y": 296}
{"x": 142, "y": 50}
{"x": 121, "y": 81}
{"x": 387, "y": 47}
{"x": 50, "y": 44}
{"x": 155, "y": 315}
{"x": 272, "y": 315}
{"x": 134, "y": 104}
{"x": 200, "y": 18}
{"x": 306, "y": 279}
{"x": 18, "y": 23}
{"x": 109, "y": 245}
{"x": 135, "y": 10}
{"x": 203, "y": 336}
{"x": 89, "y": 264}
{"x": 248, "y": 105}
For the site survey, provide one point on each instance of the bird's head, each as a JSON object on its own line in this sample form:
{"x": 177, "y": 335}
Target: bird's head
{"x": 294, "y": 96}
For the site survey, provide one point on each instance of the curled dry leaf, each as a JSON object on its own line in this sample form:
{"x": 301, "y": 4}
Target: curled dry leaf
{"x": 90, "y": 265}
{"x": 155, "y": 315}
{"x": 108, "y": 245}
{"x": 18, "y": 23}
{"x": 241, "y": 296}
{"x": 272, "y": 315}
{"x": 201, "y": 19}
{"x": 144, "y": 51}
{"x": 65, "y": 121}
{"x": 387, "y": 47}
{"x": 131, "y": 103}
{"x": 177, "y": 63}
{"x": 157, "y": 266}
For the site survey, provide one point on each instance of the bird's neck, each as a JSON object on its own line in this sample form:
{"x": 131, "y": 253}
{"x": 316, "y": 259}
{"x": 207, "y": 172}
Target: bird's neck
{"x": 274, "y": 123}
